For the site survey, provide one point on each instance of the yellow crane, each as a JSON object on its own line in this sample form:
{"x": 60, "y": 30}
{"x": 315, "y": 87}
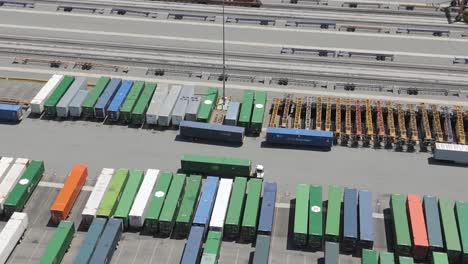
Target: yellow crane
{"x": 401, "y": 122}
{"x": 460, "y": 126}
{"x": 328, "y": 115}
{"x": 369, "y": 122}
{"x": 348, "y": 127}
{"x": 274, "y": 112}
{"x": 413, "y": 124}
{"x": 390, "y": 121}
{"x": 287, "y": 106}
{"x": 297, "y": 115}
{"x": 318, "y": 114}
{"x": 308, "y": 116}
{"x": 436, "y": 123}
{"x": 338, "y": 116}
{"x": 426, "y": 125}
{"x": 380, "y": 120}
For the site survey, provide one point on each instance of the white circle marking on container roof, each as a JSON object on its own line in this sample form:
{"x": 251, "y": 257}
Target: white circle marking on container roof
{"x": 208, "y": 102}
{"x": 159, "y": 194}
{"x": 259, "y": 105}
{"x": 24, "y": 181}
{"x": 315, "y": 209}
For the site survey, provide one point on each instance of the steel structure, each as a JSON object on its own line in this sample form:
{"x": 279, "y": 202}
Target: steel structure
{"x": 274, "y": 112}
{"x": 318, "y": 114}
{"x": 287, "y": 106}
{"x": 308, "y": 115}
{"x": 297, "y": 114}
{"x": 460, "y": 127}
{"x": 390, "y": 125}
{"x": 439, "y": 135}
{"x": 328, "y": 115}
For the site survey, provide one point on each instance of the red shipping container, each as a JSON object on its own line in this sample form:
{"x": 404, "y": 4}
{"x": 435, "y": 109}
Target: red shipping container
{"x": 417, "y": 226}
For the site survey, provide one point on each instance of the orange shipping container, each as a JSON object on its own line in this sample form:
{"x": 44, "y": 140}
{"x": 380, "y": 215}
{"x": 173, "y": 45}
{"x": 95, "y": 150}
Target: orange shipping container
{"x": 67, "y": 196}
{"x": 418, "y": 226}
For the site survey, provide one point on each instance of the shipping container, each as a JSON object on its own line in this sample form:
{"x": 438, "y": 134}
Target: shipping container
{"x": 156, "y": 202}
{"x": 405, "y": 260}
{"x": 417, "y": 226}
{"x": 366, "y": 222}
{"x": 141, "y": 204}
{"x": 386, "y": 258}
{"x": 59, "y": 243}
{"x": 246, "y": 109}
{"x": 113, "y": 110}
{"x": 106, "y": 97}
{"x": 165, "y": 112}
{"x": 19, "y": 195}
{"x": 401, "y": 236}
{"x": 108, "y": 242}
{"x": 192, "y": 108}
{"x": 135, "y": 177}
{"x": 207, "y": 104}
{"x": 303, "y": 137}
{"x": 235, "y": 208}
{"x": 216, "y": 165}
{"x": 301, "y": 215}
{"x": 10, "y": 112}
{"x": 69, "y": 193}
{"x": 262, "y": 250}
{"x": 171, "y": 205}
{"x": 156, "y": 103}
{"x": 433, "y": 226}
{"x": 315, "y": 223}
{"x": 178, "y": 113}
{"x": 139, "y": 111}
{"x": 208, "y": 259}
{"x": 10, "y": 180}
{"x": 50, "y": 105}
{"x": 252, "y": 206}
{"x": 461, "y": 210}
{"x": 439, "y": 258}
{"x": 206, "y": 202}
{"x": 77, "y": 102}
{"x": 350, "y": 219}
{"x": 187, "y": 206}
{"x": 37, "y": 103}
{"x": 258, "y": 112}
{"x": 221, "y": 204}
{"x": 11, "y": 234}
{"x": 211, "y": 131}
{"x": 267, "y": 211}
{"x": 89, "y": 244}
{"x": 193, "y": 246}
{"x": 131, "y": 101}
{"x": 80, "y": 83}
{"x": 112, "y": 196}
{"x": 5, "y": 164}
{"x": 451, "y": 152}
{"x": 232, "y": 114}
{"x": 95, "y": 198}
{"x": 332, "y": 253}
{"x": 213, "y": 244}
{"x": 369, "y": 256}
{"x": 93, "y": 96}
{"x": 332, "y": 225}
{"x": 449, "y": 229}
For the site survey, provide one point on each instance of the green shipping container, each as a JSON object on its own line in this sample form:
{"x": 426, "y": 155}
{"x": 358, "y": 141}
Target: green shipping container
{"x": 332, "y": 227}
{"x": 246, "y": 109}
{"x": 461, "y": 209}
{"x": 301, "y": 215}
{"x": 315, "y": 217}
{"x": 405, "y": 260}
{"x": 93, "y": 96}
{"x": 207, "y": 105}
{"x": 187, "y": 206}
{"x": 213, "y": 243}
{"x": 19, "y": 195}
{"x": 114, "y": 192}
{"x": 251, "y": 211}
{"x": 219, "y": 166}
{"x": 169, "y": 210}
{"x": 400, "y": 224}
{"x": 258, "y": 112}
{"x": 59, "y": 243}
{"x": 369, "y": 256}
{"x": 235, "y": 208}
{"x": 131, "y": 100}
{"x": 449, "y": 229}
{"x": 156, "y": 202}
{"x": 439, "y": 258}
{"x": 129, "y": 193}
{"x": 386, "y": 258}
{"x": 50, "y": 105}
{"x": 139, "y": 111}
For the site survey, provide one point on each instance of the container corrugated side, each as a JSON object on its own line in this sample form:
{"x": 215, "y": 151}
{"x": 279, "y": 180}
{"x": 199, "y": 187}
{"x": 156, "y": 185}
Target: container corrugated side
{"x": 11, "y": 178}
{"x": 93, "y": 96}
{"x": 192, "y": 108}
{"x": 11, "y": 112}
{"x": 108, "y": 242}
{"x": 157, "y": 100}
{"x": 91, "y": 239}
{"x": 232, "y": 114}
{"x": 80, "y": 83}
{"x": 212, "y": 132}
{"x": 106, "y": 97}
{"x": 267, "y": 210}
{"x": 5, "y": 164}
{"x": 11, "y": 234}
{"x": 350, "y": 219}
{"x": 290, "y": 136}
{"x": 332, "y": 224}
{"x": 315, "y": 217}
{"x": 301, "y": 211}
{"x": 129, "y": 193}
{"x": 434, "y": 228}
{"x": 37, "y": 103}
{"x": 139, "y": 111}
{"x": 95, "y": 198}
{"x": 366, "y": 222}
{"x": 235, "y": 208}
{"x": 221, "y": 204}
{"x": 187, "y": 206}
{"x": 156, "y": 203}
{"x": 165, "y": 112}
{"x": 206, "y": 202}
{"x": 54, "y": 98}
{"x": 169, "y": 210}
{"x": 75, "y": 105}
{"x": 216, "y": 165}
{"x": 451, "y": 152}
{"x": 178, "y": 113}
{"x": 251, "y": 211}
{"x": 139, "y": 207}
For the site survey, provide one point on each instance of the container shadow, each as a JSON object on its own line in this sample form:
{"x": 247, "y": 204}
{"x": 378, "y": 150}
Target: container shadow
{"x": 251, "y": 257}
{"x": 10, "y": 123}
{"x": 265, "y": 144}
{"x": 432, "y": 161}
{"x": 33, "y": 116}
{"x": 180, "y": 138}
{"x": 290, "y": 243}
{"x": 51, "y": 223}
{"x": 389, "y": 232}
{"x": 83, "y": 227}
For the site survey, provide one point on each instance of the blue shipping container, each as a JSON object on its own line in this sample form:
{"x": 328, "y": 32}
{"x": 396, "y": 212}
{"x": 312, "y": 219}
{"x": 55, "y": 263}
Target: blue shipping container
{"x": 350, "y": 217}
{"x": 114, "y": 107}
{"x": 267, "y": 211}
{"x": 366, "y": 223}
{"x": 433, "y": 225}
{"x": 10, "y": 112}
{"x": 106, "y": 97}
{"x": 210, "y": 131}
{"x": 206, "y": 202}
{"x": 89, "y": 244}
{"x": 290, "y": 136}
{"x": 193, "y": 246}
{"x": 108, "y": 242}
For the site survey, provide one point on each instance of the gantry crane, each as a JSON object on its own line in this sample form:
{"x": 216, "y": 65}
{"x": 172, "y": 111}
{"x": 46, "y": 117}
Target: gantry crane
{"x": 448, "y": 125}
{"x": 462, "y": 14}
{"x": 357, "y": 136}
{"x": 426, "y": 127}
{"x": 285, "y": 117}
{"x": 308, "y": 116}
{"x": 337, "y": 119}
{"x": 369, "y": 124}
{"x": 460, "y": 127}
{"x": 391, "y": 126}
{"x": 380, "y": 125}
{"x": 348, "y": 127}
{"x": 318, "y": 114}
{"x": 328, "y": 115}
{"x": 439, "y": 135}
{"x": 414, "y": 138}
{"x": 297, "y": 114}
{"x": 274, "y": 112}
{"x": 402, "y": 139}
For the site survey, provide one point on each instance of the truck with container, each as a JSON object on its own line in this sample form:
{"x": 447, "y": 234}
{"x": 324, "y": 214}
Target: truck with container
{"x": 165, "y": 112}
{"x": 131, "y": 101}
{"x": 156, "y": 103}
{"x": 62, "y": 108}
{"x": 93, "y": 96}
{"x": 212, "y": 132}
{"x": 75, "y": 106}
{"x": 37, "y": 103}
{"x": 301, "y": 137}
{"x": 180, "y": 108}
{"x": 11, "y": 113}
{"x": 100, "y": 108}
{"x": 108, "y": 242}
{"x": 50, "y": 105}
{"x": 138, "y": 115}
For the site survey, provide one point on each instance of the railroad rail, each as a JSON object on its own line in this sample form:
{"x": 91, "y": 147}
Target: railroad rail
{"x": 439, "y": 135}
{"x": 297, "y": 113}
{"x": 318, "y": 113}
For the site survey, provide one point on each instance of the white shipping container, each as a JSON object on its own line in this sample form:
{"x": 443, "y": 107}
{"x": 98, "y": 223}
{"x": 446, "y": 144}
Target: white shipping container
{"x": 37, "y": 103}
{"x": 178, "y": 114}
{"x": 95, "y": 198}
{"x": 5, "y": 164}
{"x": 80, "y": 83}
{"x": 165, "y": 113}
{"x": 77, "y": 102}
{"x": 221, "y": 205}
{"x": 141, "y": 203}
{"x": 451, "y": 152}
{"x": 232, "y": 114}
{"x": 192, "y": 108}
{"x": 11, "y": 234}
{"x": 11, "y": 178}
{"x": 155, "y": 104}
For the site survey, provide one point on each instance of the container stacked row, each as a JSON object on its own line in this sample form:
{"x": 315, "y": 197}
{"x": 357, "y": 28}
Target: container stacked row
{"x": 374, "y": 257}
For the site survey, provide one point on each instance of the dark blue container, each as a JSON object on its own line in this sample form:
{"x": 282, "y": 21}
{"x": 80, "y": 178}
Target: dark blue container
{"x": 303, "y": 137}
{"x": 215, "y": 132}
{"x": 114, "y": 107}
{"x": 350, "y": 218}
{"x": 193, "y": 246}
{"x": 10, "y": 112}
{"x": 366, "y": 222}
{"x": 89, "y": 244}
{"x": 206, "y": 202}
{"x": 108, "y": 242}
{"x": 434, "y": 230}
{"x": 106, "y": 97}
{"x": 267, "y": 211}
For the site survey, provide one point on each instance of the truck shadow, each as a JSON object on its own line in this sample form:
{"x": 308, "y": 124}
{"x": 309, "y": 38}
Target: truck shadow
{"x": 180, "y": 138}
{"x": 265, "y": 144}
{"x": 432, "y": 161}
